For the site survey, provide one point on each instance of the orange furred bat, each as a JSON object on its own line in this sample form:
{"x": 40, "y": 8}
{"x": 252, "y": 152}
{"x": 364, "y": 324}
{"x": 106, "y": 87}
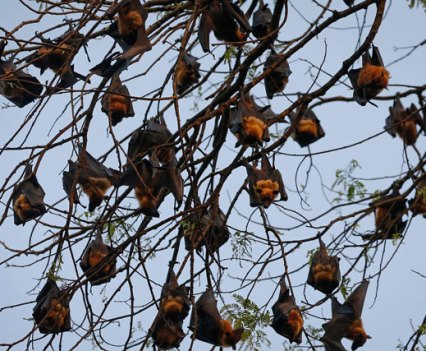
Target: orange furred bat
{"x": 307, "y": 129}
{"x": 186, "y": 72}
{"x": 262, "y": 20}
{"x": 174, "y": 299}
{"x": 369, "y": 80}
{"x": 288, "y": 320}
{"x": 324, "y": 272}
{"x": 52, "y": 312}
{"x": 167, "y": 334}
{"x": 208, "y": 325}
{"x": 418, "y": 204}
{"x": 346, "y": 321}
{"x": 277, "y": 80}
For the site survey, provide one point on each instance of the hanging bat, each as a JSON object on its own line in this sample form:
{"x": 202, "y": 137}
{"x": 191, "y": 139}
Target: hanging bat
{"x": 247, "y": 123}
{"x": 261, "y": 21}
{"x": 226, "y": 20}
{"x": 308, "y": 128}
{"x": 403, "y": 122}
{"x": 346, "y": 321}
{"x": 277, "y": 80}
{"x": 418, "y": 204}
{"x": 116, "y": 102}
{"x": 167, "y": 334}
{"x": 288, "y": 320}
{"x": 264, "y": 184}
{"x": 95, "y": 271}
{"x": 186, "y": 72}
{"x": 94, "y": 178}
{"x": 28, "y": 198}
{"x": 174, "y": 299}
{"x": 207, "y": 325}
{"x": 52, "y": 312}
{"x": 18, "y": 87}
{"x": 324, "y": 272}
{"x": 369, "y": 80}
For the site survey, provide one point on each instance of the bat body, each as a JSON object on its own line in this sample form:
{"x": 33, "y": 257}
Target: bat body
{"x": 208, "y": 325}
{"x": 174, "y": 299}
{"x": 369, "y": 80}
{"x": 346, "y": 321}
{"x": 186, "y": 72}
{"x": 265, "y": 184}
{"x": 94, "y": 178}
{"x": 288, "y": 320}
{"x": 261, "y": 25}
{"x": 277, "y": 80}
{"x": 307, "y": 129}
{"x": 52, "y": 312}
{"x": 166, "y": 334}
{"x": 97, "y": 272}
{"x": 116, "y": 102}
{"x": 28, "y": 198}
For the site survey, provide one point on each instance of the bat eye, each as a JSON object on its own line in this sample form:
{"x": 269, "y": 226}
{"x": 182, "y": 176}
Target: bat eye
{"x": 259, "y": 191}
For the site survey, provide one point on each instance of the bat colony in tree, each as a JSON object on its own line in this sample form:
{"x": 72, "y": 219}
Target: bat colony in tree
{"x": 152, "y": 169}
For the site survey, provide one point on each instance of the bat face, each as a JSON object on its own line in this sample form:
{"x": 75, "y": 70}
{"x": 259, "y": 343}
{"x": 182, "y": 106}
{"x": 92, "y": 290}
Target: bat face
{"x": 186, "y": 72}
{"x": 369, "y": 80}
{"x": 278, "y": 79}
{"x": 166, "y": 334}
{"x": 261, "y": 21}
{"x": 308, "y": 129}
{"x": 52, "y": 313}
{"x": 288, "y": 320}
{"x": 174, "y": 300}
{"x": 265, "y": 184}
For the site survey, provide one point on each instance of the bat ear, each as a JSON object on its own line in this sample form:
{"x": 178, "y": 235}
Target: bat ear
{"x": 369, "y": 337}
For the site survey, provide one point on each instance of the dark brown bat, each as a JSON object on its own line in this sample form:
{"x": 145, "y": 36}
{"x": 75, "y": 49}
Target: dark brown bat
{"x": 186, "y": 72}
{"x": 418, "y": 204}
{"x": 369, "y": 80}
{"x": 97, "y": 272}
{"x": 247, "y": 123}
{"x": 346, "y": 321}
{"x": 174, "y": 299}
{"x": 288, "y": 320}
{"x": 116, "y": 102}
{"x": 167, "y": 334}
{"x": 208, "y": 326}
{"x": 308, "y": 128}
{"x": 18, "y": 87}
{"x": 264, "y": 184}
{"x": 226, "y": 20}
{"x": 261, "y": 20}
{"x": 403, "y": 122}
{"x": 277, "y": 80}
{"x": 28, "y": 198}
{"x": 52, "y": 312}
{"x": 94, "y": 178}
{"x": 324, "y": 272}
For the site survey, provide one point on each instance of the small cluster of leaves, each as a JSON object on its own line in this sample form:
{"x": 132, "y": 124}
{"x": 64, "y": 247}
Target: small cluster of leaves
{"x": 350, "y": 187}
{"x": 344, "y": 287}
{"x": 417, "y": 3}
{"x": 241, "y": 246}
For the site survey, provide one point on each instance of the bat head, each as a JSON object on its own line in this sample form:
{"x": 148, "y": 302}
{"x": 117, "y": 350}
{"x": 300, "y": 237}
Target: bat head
{"x": 229, "y": 336}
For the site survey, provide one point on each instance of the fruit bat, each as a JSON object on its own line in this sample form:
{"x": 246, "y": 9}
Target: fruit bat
{"x": 52, "y": 312}
{"x": 369, "y": 80}
{"x": 18, "y": 87}
{"x": 116, "y": 102}
{"x": 264, "y": 184}
{"x": 346, "y": 321}
{"x": 226, "y": 20}
{"x": 288, "y": 320}
{"x": 208, "y": 326}
{"x": 95, "y": 271}
{"x": 167, "y": 334}
{"x": 308, "y": 129}
{"x": 186, "y": 72}
{"x": 28, "y": 198}
{"x": 261, "y": 21}
{"x": 94, "y": 178}
{"x": 248, "y": 123}
{"x": 174, "y": 299}
{"x": 403, "y": 122}
{"x": 324, "y": 272}
{"x": 277, "y": 80}
{"x": 418, "y": 204}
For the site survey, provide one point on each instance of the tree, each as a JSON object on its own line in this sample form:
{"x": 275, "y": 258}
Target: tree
{"x": 356, "y": 188}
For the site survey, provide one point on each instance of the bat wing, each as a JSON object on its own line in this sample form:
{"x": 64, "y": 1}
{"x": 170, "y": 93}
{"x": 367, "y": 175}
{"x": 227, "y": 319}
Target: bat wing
{"x": 170, "y": 178}
{"x": 68, "y": 179}
{"x": 356, "y": 299}
{"x": 205, "y": 27}
{"x": 234, "y": 11}
{"x": 131, "y": 178}
{"x": 34, "y": 193}
{"x": 93, "y": 168}
{"x": 376, "y": 58}
{"x": 261, "y": 21}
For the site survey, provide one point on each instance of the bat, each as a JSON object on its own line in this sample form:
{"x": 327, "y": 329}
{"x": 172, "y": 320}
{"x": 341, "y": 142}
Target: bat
{"x": 18, "y": 87}
{"x": 346, "y": 321}
{"x": 247, "y": 123}
{"x": 207, "y": 325}
{"x": 167, "y": 334}
{"x": 277, "y": 80}
{"x": 28, "y": 198}
{"x": 262, "y": 18}
{"x": 349, "y": 2}
{"x": 418, "y": 204}
{"x": 308, "y": 128}
{"x": 264, "y": 184}
{"x": 94, "y": 178}
{"x": 369, "y": 80}
{"x": 116, "y": 102}
{"x": 288, "y": 320}
{"x": 226, "y": 20}
{"x": 52, "y": 312}
{"x": 95, "y": 271}
{"x": 324, "y": 272}
{"x": 403, "y": 122}
{"x": 186, "y": 72}
{"x": 174, "y": 299}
